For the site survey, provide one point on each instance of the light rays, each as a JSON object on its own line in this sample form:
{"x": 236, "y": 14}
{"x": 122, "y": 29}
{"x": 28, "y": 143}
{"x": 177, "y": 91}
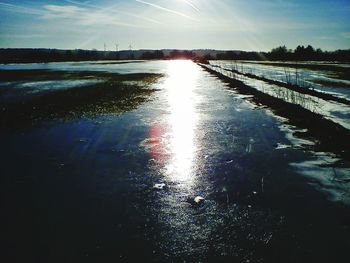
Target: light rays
{"x": 166, "y": 10}
{"x": 191, "y": 5}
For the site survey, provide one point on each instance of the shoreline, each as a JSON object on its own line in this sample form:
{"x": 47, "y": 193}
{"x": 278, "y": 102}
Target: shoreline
{"x": 332, "y": 136}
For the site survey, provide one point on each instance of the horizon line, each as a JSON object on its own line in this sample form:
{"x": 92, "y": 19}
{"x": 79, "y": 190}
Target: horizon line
{"x": 160, "y": 49}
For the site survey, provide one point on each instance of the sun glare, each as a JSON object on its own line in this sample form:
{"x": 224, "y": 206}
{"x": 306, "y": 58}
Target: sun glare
{"x": 182, "y": 119}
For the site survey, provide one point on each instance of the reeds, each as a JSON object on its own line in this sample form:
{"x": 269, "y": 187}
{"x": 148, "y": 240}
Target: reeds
{"x": 294, "y": 82}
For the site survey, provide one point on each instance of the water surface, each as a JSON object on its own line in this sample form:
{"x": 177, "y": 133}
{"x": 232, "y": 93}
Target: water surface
{"x": 83, "y": 189}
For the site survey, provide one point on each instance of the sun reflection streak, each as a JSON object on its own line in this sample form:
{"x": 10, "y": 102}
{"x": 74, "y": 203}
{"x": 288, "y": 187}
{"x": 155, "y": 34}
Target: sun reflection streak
{"x": 182, "y": 119}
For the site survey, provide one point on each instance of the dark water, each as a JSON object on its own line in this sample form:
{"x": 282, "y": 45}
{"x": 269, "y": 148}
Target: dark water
{"x": 83, "y": 190}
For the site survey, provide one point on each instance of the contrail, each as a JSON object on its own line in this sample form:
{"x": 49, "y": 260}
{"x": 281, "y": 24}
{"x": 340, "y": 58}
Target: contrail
{"x": 191, "y": 5}
{"x": 166, "y": 9}
{"x": 87, "y": 4}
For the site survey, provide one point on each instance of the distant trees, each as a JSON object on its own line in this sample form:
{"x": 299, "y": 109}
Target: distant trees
{"x": 282, "y": 53}
{"x": 22, "y": 55}
{"x": 308, "y": 53}
{"x": 302, "y": 53}
{"x": 279, "y": 53}
{"x": 241, "y": 55}
{"x": 176, "y": 54}
{"x": 207, "y": 57}
{"x": 158, "y": 54}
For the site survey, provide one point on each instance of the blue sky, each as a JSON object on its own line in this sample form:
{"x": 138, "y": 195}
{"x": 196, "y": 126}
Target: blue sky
{"x": 183, "y": 24}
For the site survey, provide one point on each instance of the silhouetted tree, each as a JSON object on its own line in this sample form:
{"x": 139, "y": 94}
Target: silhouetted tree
{"x": 279, "y": 53}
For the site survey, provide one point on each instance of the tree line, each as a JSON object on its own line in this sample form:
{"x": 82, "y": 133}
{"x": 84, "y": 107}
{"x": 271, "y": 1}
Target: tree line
{"x": 282, "y": 53}
{"x": 28, "y": 55}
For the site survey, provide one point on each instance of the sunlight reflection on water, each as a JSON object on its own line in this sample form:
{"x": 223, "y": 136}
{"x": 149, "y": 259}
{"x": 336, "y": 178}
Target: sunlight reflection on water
{"x": 182, "y": 120}
{"x": 174, "y": 140}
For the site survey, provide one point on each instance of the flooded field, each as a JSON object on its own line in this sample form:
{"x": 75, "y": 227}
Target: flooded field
{"x": 330, "y": 78}
{"x": 162, "y": 161}
{"x": 338, "y": 112}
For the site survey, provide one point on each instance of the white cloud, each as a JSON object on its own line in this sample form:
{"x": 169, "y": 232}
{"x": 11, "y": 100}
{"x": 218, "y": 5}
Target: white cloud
{"x": 112, "y": 10}
{"x": 83, "y": 16}
{"x": 58, "y": 11}
{"x": 66, "y": 9}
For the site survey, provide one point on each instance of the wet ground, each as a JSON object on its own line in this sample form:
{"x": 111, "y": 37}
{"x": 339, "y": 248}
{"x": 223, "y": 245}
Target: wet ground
{"x": 332, "y": 78}
{"x": 121, "y": 187}
{"x": 331, "y": 109}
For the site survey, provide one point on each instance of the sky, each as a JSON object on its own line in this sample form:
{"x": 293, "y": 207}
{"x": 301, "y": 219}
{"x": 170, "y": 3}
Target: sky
{"x": 257, "y": 25}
